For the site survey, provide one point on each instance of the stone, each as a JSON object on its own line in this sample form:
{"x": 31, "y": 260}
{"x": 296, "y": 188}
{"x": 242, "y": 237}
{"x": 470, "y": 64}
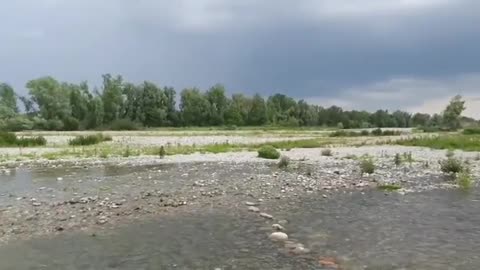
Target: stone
{"x": 36, "y": 204}
{"x": 265, "y": 215}
{"x": 278, "y": 227}
{"x": 278, "y": 236}
{"x": 59, "y": 178}
{"x": 251, "y": 204}
{"x": 253, "y": 209}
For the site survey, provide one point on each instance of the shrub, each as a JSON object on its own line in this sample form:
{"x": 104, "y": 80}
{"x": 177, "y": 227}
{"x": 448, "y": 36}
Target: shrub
{"x": 377, "y": 132}
{"x": 54, "y": 124}
{"x": 471, "y": 131}
{"x": 464, "y": 179}
{"x": 71, "y": 123}
{"x": 269, "y": 152}
{"x": 397, "y": 160}
{"x": 18, "y": 123}
{"x": 89, "y": 139}
{"x": 127, "y": 152}
{"x": 389, "y": 187}
{"x": 451, "y": 165}
{"x": 364, "y": 133}
{"x": 9, "y": 139}
{"x": 124, "y": 124}
{"x": 162, "y": 152}
{"x": 477, "y": 157}
{"x": 367, "y": 165}
{"x": 284, "y": 162}
{"x": 327, "y": 152}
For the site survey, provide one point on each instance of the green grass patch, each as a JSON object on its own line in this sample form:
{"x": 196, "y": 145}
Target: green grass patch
{"x": 389, "y": 187}
{"x": 364, "y": 133}
{"x": 460, "y": 142}
{"x": 471, "y": 131}
{"x": 9, "y": 139}
{"x": 89, "y": 139}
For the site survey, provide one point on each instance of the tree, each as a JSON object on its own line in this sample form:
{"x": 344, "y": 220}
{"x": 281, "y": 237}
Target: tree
{"x": 51, "y": 98}
{"x": 258, "y": 111}
{"x": 8, "y": 101}
{"x": 218, "y": 104}
{"x": 195, "y": 108}
{"x": 420, "y": 119}
{"x": 453, "y": 111}
{"x": 112, "y": 97}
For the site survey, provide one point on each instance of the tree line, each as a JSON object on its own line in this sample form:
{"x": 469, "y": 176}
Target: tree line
{"x": 118, "y": 104}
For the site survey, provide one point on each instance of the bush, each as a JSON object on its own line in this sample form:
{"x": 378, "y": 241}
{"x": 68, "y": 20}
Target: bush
{"x": 397, "y": 160}
{"x": 71, "y": 124}
{"x": 9, "y": 139}
{"x": 327, "y": 152}
{"x": 18, "y": 123}
{"x": 471, "y": 131}
{"x": 162, "y": 152}
{"x": 364, "y": 133}
{"x": 284, "y": 162}
{"x": 377, "y": 132}
{"x": 464, "y": 179}
{"x": 124, "y": 124}
{"x": 89, "y": 139}
{"x": 451, "y": 165}
{"x": 268, "y": 152}
{"x": 367, "y": 165}
{"x": 54, "y": 124}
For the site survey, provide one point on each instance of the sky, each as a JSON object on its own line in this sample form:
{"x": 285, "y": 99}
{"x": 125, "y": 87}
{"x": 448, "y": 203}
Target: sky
{"x": 412, "y": 55}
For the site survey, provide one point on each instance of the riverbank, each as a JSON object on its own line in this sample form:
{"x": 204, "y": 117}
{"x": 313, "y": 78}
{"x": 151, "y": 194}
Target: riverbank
{"x": 52, "y": 197}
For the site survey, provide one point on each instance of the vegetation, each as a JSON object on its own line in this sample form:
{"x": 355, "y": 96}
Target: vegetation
{"x": 161, "y": 152}
{"x": 451, "y": 164}
{"x": 471, "y": 131}
{"x": 389, "y": 187}
{"x": 120, "y": 105}
{"x": 462, "y": 142}
{"x": 8, "y": 139}
{"x": 89, "y": 139}
{"x": 268, "y": 152}
{"x": 375, "y": 132}
{"x": 367, "y": 165}
{"x": 464, "y": 179}
{"x": 327, "y": 152}
{"x": 284, "y": 162}
{"x": 397, "y": 160}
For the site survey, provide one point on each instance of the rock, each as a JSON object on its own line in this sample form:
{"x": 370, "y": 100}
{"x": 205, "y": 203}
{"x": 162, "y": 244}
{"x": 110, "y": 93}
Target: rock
{"x": 265, "y": 215}
{"x": 36, "y": 204}
{"x": 283, "y": 222}
{"x": 253, "y": 209}
{"x": 251, "y": 204}
{"x": 278, "y": 227}
{"x": 102, "y": 220}
{"x": 278, "y": 236}
{"x": 299, "y": 250}
{"x": 59, "y": 178}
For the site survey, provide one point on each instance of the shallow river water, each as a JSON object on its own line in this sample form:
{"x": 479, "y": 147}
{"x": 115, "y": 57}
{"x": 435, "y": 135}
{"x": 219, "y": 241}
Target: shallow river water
{"x": 430, "y": 230}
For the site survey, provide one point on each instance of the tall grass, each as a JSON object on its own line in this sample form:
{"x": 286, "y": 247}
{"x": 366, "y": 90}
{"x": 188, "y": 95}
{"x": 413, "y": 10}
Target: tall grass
{"x": 461, "y": 142}
{"x": 8, "y": 139}
{"x": 89, "y": 139}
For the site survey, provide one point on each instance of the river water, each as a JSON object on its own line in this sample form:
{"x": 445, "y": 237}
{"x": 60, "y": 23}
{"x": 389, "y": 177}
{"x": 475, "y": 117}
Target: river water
{"x": 432, "y": 230}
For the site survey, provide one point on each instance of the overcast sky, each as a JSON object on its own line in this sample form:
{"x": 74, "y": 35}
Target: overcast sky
{"x": 362, "y": 54}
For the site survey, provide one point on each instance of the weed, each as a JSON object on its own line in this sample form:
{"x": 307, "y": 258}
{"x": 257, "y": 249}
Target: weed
{"x": 127, "y": 152}
{"x": 89, "y": 139}
{"x": 397, "y": 160}
{"x": 161, "y": 152}
{"x": 464, "y": 179}
{"x": 477, "y": 157}
{"x": 284, "y": 162}
{"x": 327, "y": 152}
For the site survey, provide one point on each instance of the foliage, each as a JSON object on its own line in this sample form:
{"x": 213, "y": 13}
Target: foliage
{"x": 89, "y": 139}
{"x": 461, "y": 142}
{"x": 124, "y": 124}
{"x": 327, "y": 152}
{"x": 452, "y": 113}
{"x": 367, "y": 165}
{"x": 161, "y": 152}
{"x": 8, "y": 139}
{"x": 268, "y": 152}
{"x": 284, "y": 162}
{"x": 375, "y": 132}
{"x": 451, "y": 165}
{"x": 398, "y": 159}
{"x": 464, "y": 179}
{"x": 471, "y": 131}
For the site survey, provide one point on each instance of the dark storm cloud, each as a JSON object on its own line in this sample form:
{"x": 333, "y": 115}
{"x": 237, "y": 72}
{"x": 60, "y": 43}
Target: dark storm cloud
{"x": 319, "y": 50}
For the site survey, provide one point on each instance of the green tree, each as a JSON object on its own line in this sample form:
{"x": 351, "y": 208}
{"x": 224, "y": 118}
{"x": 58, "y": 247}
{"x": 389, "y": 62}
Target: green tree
{"x": 218, "y": 104}
{"x": 8, "y": 101}
{"x": 258, "y": 111}
{"x": 453, "y": 112}
{"x": 195, "y": 108}
{"x": 51, "y": 98}
{"x": 112, "y": 97}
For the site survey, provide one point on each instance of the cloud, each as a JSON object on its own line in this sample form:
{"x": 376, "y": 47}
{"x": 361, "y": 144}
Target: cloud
{"x": 410, "y": 94}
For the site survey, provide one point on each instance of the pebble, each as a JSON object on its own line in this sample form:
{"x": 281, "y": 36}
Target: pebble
{"x": 251, "y": 204}
{"x": 278, "y": 227}
{"x": 253, "y": 209}
{"x": 278, "y": 236}
{"x": 59, "y": 178}
{"x": 265, "y": 215}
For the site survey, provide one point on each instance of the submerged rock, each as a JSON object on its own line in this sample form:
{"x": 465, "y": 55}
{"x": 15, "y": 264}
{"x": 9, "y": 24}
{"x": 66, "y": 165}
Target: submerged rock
{"x": 253, "y": 209}
{"x": 265, "y": 215}
{"x": 278, "y": 227}
{"x": 278, "y": 236}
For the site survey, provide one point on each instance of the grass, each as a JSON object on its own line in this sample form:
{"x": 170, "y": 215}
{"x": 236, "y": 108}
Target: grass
{"x": 397, "y": 160}
{"x": 9, "y": 139}
{"x": 268, "y": 152}
{"x": 461, "y": 142}
{"x": 389, "y": 187}
{"x": 375, "y": 132}
{"x": 471, "y": 131}
{"x": 464, "y": 179}
{"x": 89, "y": 139}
